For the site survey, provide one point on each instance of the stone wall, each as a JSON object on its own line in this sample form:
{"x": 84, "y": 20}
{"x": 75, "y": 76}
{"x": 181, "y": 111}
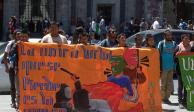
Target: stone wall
{"x": 153, "y": 9}
{"x": 65, "y": 9}
{"x": 11, "y": 8}
{"x": 63, "y": 13}
{"x": 130, "y": 9}
{"x": 82, "y": 9}
{"x": 168, "y": 12}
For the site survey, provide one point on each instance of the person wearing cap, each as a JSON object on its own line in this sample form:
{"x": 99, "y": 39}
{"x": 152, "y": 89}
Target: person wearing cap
{"x": 54, "y": 36}
{"x": 110, "y": 41}
{"x": 9, "y": 67}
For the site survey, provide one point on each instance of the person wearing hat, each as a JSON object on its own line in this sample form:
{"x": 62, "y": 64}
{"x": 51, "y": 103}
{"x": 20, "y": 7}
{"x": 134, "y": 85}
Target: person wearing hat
{"x": 9, "y": 66}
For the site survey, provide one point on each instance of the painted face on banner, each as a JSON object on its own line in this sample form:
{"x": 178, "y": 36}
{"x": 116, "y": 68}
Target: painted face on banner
{"x": 131, "y": 58}
{"x": 117, "y": 64}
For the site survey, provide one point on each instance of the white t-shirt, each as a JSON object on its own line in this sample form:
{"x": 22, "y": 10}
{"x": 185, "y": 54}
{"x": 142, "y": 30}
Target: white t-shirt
{"x": 156, "y": 25}
{"x": 8, "y": 47}
{"x": 60, "y": 39}
{"x": 94, "y": 26}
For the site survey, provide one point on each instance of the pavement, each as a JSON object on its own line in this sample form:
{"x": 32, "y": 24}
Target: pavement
{"x": 5, "y": 103}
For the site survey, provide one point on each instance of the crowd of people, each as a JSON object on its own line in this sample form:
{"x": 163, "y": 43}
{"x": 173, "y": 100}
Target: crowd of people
{"x": 167, "y": 47}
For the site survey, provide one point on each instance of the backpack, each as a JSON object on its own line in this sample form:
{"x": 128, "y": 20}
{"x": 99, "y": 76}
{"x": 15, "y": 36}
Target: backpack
{"x": 161, "y": 50}
{"x": 162, "y": 45}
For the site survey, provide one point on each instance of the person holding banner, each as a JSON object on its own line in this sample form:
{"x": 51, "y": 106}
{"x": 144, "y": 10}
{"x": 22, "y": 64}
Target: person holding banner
{"x": 121, "y": 38}
{"x": 9, "y": 67}
{"x": 184, "y": 46}
{"x": 192, "y": 40}
{"x": 150, "y": 41}
{"x": 138, "y": 41}
{"x": 24, "y": 36}
{"x": 166, "y": 48}
{"x": 13, "y": 63}
{"x": 54, "y": 36}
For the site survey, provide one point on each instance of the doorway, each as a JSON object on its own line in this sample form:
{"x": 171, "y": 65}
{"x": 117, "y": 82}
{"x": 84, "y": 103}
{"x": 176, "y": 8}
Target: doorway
{"x": 185, "y": 11}
{"x": 105, "y": 11}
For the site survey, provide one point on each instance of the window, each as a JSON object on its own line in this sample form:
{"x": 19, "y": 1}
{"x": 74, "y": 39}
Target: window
{"x": 36, "y": 10}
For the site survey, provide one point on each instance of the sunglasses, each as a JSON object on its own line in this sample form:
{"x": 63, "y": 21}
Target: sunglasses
{"x": 112, "y": 31}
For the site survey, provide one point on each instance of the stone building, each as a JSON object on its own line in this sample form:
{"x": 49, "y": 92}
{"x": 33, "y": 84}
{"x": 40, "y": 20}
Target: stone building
{"x": 67, "y": 11}
{"x": 174, "y": 10}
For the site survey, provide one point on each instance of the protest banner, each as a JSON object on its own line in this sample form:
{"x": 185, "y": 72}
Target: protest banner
{"x": 59, "y": 78}
{"x": 186, "y": 63}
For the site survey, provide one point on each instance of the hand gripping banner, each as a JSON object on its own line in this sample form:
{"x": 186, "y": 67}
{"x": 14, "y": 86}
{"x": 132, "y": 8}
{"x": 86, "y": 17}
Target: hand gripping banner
{"x": 78, "y": 78}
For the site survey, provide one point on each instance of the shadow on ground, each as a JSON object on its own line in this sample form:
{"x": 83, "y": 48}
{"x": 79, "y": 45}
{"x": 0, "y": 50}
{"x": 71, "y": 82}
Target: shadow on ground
{"x": 165, "y": 110}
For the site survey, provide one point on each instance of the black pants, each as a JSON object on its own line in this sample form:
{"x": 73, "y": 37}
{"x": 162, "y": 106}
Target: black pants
{"x": 182, "y": 93}
{"x": 12, "y": 83}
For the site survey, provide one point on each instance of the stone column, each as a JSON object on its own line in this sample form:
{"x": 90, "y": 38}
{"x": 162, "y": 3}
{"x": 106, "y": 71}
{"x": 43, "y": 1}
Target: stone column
{"x": 130, "y": 9}
{"x": 63, "y": 13}
{"x": 81, "y": 9}
{"x": 139, "y": 8}
{"x": 169, "y": 12}
{"x": 122, "y": 10}
{"x": 89, "y": 8}
{"x": 11, "y": 8}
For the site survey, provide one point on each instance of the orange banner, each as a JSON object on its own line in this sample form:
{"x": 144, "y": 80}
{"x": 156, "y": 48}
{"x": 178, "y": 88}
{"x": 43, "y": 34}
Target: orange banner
{"x": 65, "y": 78}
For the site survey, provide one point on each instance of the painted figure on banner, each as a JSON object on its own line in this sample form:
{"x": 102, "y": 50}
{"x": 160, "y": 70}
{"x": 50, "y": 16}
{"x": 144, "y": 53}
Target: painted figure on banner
{"x": 120, "y": 89}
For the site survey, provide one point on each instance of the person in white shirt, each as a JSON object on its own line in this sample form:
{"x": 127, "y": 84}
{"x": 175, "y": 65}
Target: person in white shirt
{"x": 156, "y": 24}
{"x": 9, "y": 67}
{"x": 93, "y": 25}
{"x": 54, "y": 36}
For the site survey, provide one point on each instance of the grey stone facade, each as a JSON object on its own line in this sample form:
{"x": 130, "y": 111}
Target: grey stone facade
{"x": 11, "y": 7}
{"x": 68, "y": 10}
{"x": 63, "y": 13}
